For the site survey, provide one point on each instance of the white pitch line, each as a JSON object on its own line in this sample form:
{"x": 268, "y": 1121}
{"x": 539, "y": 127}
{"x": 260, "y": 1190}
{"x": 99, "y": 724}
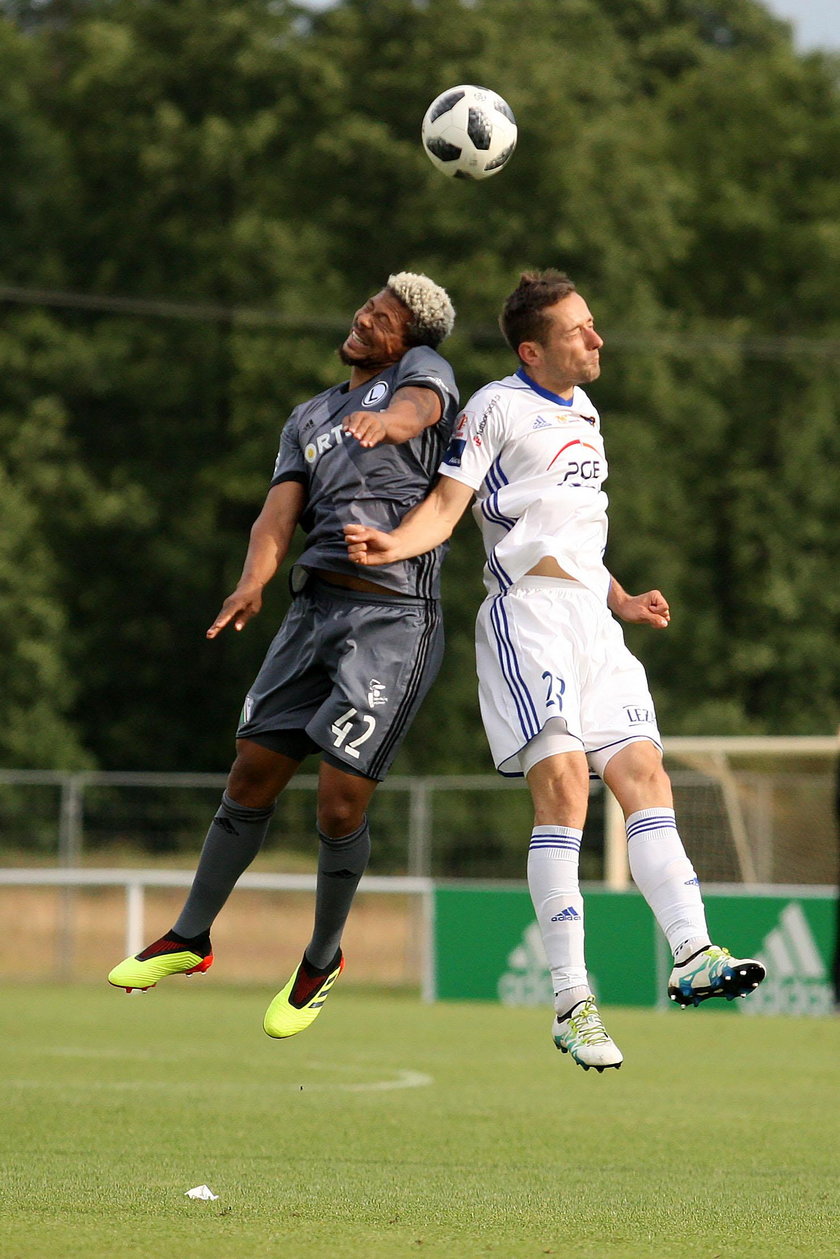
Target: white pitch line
{"x": 138, "y": 1055}
{"x": 404, "y": 1080}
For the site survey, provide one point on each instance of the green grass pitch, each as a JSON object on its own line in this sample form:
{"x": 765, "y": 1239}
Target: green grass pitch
{"x": 394, "y": 1129}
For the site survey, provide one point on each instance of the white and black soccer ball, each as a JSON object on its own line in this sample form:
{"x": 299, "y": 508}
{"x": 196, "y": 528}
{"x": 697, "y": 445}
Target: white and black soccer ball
{"x": 469, "y": 132}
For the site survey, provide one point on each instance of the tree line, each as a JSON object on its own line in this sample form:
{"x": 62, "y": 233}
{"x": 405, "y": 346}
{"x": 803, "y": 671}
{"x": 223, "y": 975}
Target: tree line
{"x": 195, "y": 197}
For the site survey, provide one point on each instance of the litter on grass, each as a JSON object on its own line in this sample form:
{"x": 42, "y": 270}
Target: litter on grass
{"x": 204, "y": 1192}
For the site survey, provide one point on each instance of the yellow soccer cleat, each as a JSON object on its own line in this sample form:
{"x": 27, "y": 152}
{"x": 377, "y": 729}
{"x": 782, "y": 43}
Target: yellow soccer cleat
{"x": 165, "y": 957}
{"x": 300, "y": 1002}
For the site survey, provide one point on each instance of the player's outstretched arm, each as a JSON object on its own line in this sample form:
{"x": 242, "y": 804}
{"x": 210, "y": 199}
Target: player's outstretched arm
{"x": 650, "y": 608}
{"x": 412, "y": 409}
{"x": 422, "y": 529}
{"x": 271, "y": 534}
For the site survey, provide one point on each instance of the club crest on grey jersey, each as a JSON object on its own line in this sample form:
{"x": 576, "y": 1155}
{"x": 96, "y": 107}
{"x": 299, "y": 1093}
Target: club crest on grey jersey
{"x": 376, "y": 394}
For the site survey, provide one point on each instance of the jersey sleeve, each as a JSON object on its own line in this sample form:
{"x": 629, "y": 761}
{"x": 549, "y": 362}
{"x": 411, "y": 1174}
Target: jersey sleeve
{"x": 424, "y": 367}
{"x": 290, "y": 464}
{"x": 477, "y": 439}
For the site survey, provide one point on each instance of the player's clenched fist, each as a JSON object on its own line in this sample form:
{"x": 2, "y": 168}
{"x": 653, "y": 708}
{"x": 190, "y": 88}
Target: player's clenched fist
{"x": 369, "y": 546}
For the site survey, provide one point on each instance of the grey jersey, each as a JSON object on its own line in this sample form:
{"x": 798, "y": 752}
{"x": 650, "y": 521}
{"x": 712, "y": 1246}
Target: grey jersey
{"x": 347, "y": 483}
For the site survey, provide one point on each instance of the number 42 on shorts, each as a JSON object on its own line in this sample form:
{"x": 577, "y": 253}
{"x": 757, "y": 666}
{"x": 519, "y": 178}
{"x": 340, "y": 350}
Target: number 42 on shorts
{"x": 343, "y": 726}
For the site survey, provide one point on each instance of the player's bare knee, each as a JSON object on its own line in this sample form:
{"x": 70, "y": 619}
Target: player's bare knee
{"x": 559, "y": 788}
{"x": 638, "y": 778}
{"x": 339, "y": 817}
{"x": 256, "y": 778}
{"x": 650, "y": 780}
{"x": 343, "y": 799}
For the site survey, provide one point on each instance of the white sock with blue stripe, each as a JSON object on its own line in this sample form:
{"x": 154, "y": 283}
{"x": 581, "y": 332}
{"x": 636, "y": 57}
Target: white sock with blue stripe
{"x": 666, "y": 878}
{"x": 553, "y": 859}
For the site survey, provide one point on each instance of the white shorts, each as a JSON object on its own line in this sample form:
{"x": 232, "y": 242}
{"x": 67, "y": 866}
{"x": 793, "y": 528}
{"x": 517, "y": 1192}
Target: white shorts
{"x": 550, "y": 656}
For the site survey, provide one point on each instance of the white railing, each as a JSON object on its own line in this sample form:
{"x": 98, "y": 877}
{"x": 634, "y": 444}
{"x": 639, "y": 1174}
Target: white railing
{"x": 135, "y": 882}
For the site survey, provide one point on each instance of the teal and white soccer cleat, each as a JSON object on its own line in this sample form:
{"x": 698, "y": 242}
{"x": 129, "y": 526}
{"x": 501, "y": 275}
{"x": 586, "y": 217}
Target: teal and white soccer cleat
{"x": 714, "y": 972}
{"x": 163, "y": 958}
{"x": 301, "y": 1001}
{"x": 582, "y": 1034}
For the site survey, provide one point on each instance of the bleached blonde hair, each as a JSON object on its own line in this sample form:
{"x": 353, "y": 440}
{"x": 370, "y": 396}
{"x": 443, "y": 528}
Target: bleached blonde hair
{"x": 432, "y": 313}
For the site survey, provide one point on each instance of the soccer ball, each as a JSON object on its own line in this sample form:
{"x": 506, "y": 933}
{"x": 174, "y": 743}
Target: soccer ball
{"x": 469, "y": 132}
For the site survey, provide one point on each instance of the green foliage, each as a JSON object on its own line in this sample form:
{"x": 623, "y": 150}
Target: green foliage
{"x": 259, "y": 163}
{"x": 47, "y": 496}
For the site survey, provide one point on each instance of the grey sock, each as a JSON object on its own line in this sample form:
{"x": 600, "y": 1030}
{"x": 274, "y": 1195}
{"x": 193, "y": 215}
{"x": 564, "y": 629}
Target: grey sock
{"x": 341, "y": 864}
{"x": 235, "y": 837}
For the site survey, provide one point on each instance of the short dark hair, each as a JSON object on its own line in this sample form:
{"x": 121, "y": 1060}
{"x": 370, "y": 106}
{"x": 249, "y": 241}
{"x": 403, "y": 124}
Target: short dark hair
{"x": 522, "y": 317}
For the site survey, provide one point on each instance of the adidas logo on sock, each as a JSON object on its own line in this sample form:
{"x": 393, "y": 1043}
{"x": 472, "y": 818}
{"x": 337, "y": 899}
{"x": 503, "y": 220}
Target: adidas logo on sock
{"x": 569, "y": 914}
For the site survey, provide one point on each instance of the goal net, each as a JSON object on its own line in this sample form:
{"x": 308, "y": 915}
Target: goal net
{"x": 757, "y": 810}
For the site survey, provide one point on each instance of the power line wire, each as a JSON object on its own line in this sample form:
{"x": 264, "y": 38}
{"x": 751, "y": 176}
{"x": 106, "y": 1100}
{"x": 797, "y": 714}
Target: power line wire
{"x": 651, "y": 341}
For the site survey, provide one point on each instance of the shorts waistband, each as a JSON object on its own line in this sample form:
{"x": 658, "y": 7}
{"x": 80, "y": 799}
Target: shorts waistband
{"x": 548, "y": 583}
{"x": 317, "y": 586}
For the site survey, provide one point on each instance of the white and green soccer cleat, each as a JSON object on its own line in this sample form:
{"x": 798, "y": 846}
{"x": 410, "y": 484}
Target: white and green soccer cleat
{"x": 163, "y": 958}
{"x": 300, "y": 1002}
{"x": 582, "y": 1034}
{"x": 714, "y": 972}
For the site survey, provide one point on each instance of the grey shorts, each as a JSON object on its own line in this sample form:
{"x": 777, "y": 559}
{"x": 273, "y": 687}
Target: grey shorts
{"x": 345, "y": 674}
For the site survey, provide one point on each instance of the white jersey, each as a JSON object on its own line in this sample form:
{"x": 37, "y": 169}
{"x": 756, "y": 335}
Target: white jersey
{"x": 536, "y": 462}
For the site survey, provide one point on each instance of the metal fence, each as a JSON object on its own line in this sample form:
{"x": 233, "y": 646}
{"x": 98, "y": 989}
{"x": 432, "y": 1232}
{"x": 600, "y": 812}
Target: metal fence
{"x": 750, "y": 810}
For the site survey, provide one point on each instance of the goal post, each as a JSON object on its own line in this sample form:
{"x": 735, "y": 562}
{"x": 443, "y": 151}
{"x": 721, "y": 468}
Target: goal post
{"x": 751, "y": 809}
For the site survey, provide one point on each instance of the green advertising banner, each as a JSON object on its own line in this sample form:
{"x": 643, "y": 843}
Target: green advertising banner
{"x": 487, "y": 946}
